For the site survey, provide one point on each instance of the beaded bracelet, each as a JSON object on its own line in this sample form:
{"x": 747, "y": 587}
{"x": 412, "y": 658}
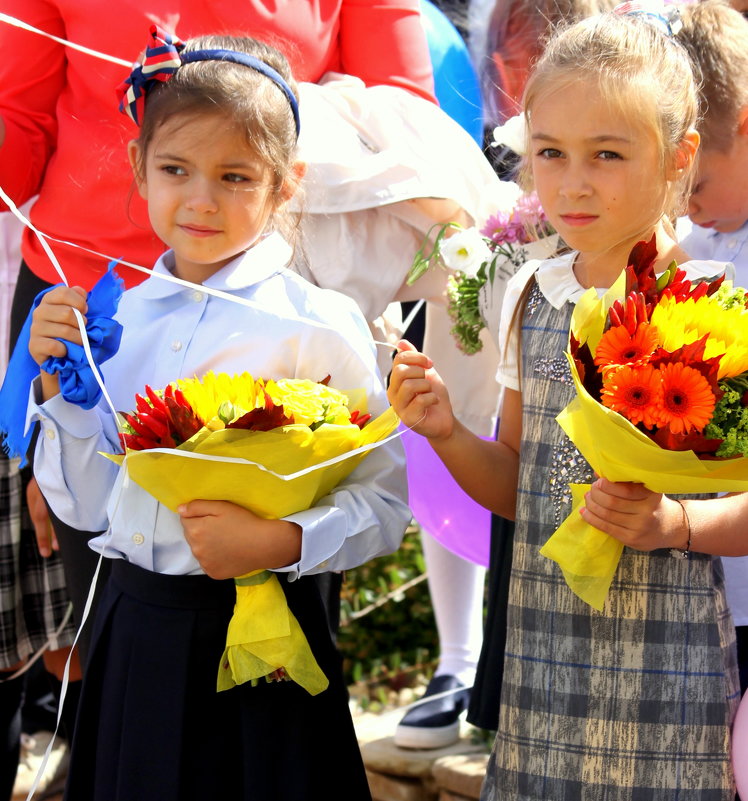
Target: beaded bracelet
{"x": 679, "y": 552}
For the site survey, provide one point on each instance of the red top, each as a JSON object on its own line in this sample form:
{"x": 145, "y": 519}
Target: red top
{"x": 66, "y": 139}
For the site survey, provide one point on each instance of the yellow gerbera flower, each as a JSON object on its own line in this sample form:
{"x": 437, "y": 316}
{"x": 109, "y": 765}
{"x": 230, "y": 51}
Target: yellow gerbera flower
{"x": 681, "y": 323}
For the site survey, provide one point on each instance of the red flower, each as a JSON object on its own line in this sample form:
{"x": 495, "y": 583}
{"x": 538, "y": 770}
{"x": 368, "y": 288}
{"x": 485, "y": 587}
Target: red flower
{"x": 160, "y": 421}
{"x": 264, "y": 419}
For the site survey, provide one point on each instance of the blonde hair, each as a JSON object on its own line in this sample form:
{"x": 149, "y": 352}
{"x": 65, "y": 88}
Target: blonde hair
{"x": 638, "y": 70}
{"x": 716, "y": 36}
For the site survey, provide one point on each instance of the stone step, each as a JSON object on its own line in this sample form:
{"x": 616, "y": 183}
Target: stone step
{"x": 454, "y": 773}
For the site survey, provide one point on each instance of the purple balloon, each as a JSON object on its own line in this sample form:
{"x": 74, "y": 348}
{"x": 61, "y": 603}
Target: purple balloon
{"x": 740, "y": 748}
{"x": 442, "y": 507}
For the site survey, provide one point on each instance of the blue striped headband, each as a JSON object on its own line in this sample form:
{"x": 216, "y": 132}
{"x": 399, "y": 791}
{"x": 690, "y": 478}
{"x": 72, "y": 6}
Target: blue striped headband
{"x": 164, "y": 56}
{"x": 664, "y": 17}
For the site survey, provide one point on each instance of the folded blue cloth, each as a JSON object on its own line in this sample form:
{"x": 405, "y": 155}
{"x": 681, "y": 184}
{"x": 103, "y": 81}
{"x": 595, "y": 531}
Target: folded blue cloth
{"x": 77, "y": 382}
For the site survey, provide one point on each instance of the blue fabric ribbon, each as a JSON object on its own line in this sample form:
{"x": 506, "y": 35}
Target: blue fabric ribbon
{"x": 77, "y": 382}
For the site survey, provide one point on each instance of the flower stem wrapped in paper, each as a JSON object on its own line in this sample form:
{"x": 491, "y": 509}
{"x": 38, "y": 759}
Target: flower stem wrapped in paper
{"x": 662, "y": 399}
{"x": 483, "y": 261}
{"x": 273, "y": 447}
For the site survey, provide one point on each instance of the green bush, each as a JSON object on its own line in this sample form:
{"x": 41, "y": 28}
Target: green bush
{"x": 387, "y": 633}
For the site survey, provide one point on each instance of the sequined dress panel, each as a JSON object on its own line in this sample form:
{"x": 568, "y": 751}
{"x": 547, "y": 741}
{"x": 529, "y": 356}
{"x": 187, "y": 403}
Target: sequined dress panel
{"x": 629, "y": 704}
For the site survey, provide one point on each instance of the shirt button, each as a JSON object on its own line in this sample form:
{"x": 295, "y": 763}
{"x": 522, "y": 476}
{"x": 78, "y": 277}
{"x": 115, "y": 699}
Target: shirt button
{"x": 197, "y": 296}
{"x": 138, "y": 538}
{"x": 176, "y": 345}
{"x": 49, "y": 433}
{"x": 732, "y": 243}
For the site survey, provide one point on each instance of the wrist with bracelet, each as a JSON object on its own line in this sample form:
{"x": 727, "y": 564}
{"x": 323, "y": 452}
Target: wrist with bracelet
{"x": 680, "y": 552}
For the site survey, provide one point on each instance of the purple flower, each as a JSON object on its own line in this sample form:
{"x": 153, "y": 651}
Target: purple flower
{"x": 525, "y": 223}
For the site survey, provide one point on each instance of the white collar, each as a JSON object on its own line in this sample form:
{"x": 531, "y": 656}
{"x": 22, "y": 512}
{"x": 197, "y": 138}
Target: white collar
{"x": 557, "y": 281}
{"x": 559, "y": 285}
{"x": 262, "y": 260}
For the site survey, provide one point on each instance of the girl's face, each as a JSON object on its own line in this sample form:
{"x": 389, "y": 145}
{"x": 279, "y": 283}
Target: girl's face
{"x": 598, "y": 175}
{"x": 209, "y": 195}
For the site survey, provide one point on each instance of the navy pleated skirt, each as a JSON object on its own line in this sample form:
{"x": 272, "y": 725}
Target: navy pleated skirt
{"x": 151, "y": 726}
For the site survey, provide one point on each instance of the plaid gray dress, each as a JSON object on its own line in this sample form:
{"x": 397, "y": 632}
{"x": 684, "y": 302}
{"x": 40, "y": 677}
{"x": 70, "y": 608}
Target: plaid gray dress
{"x": 33, "y": 598}
{"x": 633, "y": 703}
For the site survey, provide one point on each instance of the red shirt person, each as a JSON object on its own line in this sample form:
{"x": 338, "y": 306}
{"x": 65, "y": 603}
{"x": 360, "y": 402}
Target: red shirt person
{"x": 65, "y": 140}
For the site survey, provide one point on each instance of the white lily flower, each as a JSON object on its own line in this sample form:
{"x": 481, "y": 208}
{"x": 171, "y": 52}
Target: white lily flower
{"x": 511, "y": 134}
{"x": 465, "y": 251}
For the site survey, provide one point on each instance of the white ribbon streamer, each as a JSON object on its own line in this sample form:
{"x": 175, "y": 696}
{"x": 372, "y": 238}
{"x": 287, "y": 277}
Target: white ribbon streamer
{"x": 282, "y": 476}
{"x": 17, "y": 23}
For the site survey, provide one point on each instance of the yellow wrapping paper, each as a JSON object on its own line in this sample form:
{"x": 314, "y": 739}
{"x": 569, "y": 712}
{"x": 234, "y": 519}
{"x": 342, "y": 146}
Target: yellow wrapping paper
{"x": 263, "y": 635}
{"x": 617, "y": 450}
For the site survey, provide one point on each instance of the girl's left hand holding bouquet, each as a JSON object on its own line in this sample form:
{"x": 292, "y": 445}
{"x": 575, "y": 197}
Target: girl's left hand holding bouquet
{"x": 210, "y": 530}
{"x": 646, "y": 520}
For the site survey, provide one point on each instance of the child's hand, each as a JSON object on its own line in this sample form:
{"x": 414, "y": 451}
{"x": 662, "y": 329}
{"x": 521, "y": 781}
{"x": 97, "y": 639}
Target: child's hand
{"x": 53, "y": 320}
{"x": 418, "y": 395}
{"x": 636, "y": 516}
{"x": 229, "y": 541}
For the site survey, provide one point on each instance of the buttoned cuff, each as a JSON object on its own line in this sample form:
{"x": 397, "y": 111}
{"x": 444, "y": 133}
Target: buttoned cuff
{"x": 323, "y": 534}
{"x": 57, "y": 414}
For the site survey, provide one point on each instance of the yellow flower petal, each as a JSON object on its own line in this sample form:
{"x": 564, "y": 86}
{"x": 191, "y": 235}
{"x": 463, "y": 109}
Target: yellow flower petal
{"x": 727, "y": 329}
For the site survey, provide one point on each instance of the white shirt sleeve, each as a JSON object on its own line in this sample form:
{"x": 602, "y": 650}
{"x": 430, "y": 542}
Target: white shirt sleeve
{"x": 74, "y": 477}
{"x": 364, "y": 517}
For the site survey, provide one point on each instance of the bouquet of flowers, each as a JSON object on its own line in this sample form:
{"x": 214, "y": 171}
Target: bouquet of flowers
{"x": 662, "y": 399}
{"x": 274, "y": 447}
{"x": 483, "y": 260}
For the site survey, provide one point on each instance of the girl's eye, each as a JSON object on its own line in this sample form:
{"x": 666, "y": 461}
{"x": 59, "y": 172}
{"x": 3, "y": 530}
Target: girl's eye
{"x": 608, "y": 155}
{"x": 549, "y": 153}
{"x": 235, "y": 178}
{"x": 173, "y": 169}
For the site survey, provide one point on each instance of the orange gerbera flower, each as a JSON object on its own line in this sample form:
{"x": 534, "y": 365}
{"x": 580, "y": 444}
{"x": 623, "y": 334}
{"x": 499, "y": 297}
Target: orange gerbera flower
{"x": 634, "y": 391}
{"x": 687, "y": 399}
{"x": 617, "y": 346}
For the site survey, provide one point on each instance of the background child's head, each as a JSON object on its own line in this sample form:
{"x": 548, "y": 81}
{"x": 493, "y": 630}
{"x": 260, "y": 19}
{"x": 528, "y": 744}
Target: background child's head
{"x": 516, "y": 33}
{"x": 716, "y": 36}
{"x": 248, "y": 100}
{"x": 639, "y": 73}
